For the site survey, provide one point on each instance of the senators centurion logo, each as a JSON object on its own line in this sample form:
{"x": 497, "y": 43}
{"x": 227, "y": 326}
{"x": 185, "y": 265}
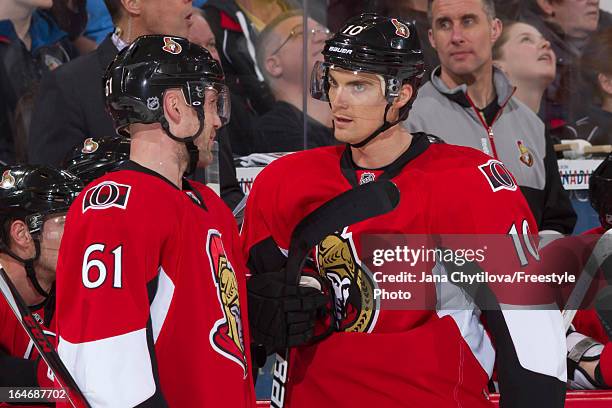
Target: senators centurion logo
{"x": 226, "y": 336}
{"x": 171, "y": 46}
{"x": 401, "y": 29}
{"x": 353, "y": 285}
{"x": 8, "y": 180}
{"x": 106, "y": 195}
{"x": 89, "y": 146}
{"x": 498, "y": 176}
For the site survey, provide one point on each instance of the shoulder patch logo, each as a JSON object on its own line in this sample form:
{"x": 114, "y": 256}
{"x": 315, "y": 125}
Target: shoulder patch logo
{"x": 526, "y": 156}
{"x": 171, "y": 46}
{"x": 498, "y": 176}
{"x": 401, "y": 29}
{"x": 226, "y": 337}
{"x": 106, "y": 195}
{"x": 89, "y": 146}
{"x": 8, "y": 180}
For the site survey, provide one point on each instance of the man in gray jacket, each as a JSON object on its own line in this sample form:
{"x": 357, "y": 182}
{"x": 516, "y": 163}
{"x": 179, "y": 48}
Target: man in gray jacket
{"x": 468, "y": 102}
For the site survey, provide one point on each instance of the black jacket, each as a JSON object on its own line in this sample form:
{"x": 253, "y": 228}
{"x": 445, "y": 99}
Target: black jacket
{"x": 282, "y": 130}
{"x": 20, "y": 73}
{"x": 595, "y": 128}
{"x": 238, "y": 65}
{"x": 70, "y": 108}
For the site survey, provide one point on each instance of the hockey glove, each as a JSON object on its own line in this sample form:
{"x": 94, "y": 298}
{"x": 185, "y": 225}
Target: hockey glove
{"x": 282, "y": 315}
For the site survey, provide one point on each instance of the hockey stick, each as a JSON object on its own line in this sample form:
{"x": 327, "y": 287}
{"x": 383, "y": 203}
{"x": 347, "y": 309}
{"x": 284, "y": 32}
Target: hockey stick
{"x": 41, "y": 342}
{"x": 355, "y": 205}
{"x": 601, "y": 252}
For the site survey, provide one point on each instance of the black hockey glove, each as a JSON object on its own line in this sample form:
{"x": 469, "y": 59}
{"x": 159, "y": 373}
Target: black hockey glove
{"x": 282, "y": 315}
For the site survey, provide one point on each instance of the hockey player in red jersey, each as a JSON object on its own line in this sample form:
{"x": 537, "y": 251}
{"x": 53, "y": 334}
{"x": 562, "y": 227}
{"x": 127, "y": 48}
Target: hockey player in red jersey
{"x": 589, "y": 342}
{"x": 399, "y": 358}
{"x": 33, "y": 205}
{"x": 151, "y": 298}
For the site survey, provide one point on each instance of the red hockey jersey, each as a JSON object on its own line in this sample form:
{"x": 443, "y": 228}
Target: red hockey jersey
{"x": 406, "y": 358}
{"x": 13, "y": 338}
{"x": 588, "y": 323}
{"x": 151, "y": 295}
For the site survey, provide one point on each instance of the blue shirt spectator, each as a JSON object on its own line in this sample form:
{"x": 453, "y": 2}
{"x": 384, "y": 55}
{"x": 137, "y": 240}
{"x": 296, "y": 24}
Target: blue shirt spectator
{"x": 99, "y": 23}
{"x": 21, "y": 67}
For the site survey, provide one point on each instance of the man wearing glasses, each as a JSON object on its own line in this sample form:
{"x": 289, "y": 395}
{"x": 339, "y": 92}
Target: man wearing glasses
{"x": 281, "y": 59}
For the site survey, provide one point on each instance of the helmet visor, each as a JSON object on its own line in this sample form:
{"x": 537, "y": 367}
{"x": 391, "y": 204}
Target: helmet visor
{"x": 53, "y": 227}
{"x": 363, "y": 88}
{"x": 351, "y": 93}
{"x": 212, "y": 97}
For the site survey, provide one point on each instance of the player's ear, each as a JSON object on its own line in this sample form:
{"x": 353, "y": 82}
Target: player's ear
{"x": 173, "y": 100}
{"x": 405, "y": 94}
{"x": 20, "y": 235}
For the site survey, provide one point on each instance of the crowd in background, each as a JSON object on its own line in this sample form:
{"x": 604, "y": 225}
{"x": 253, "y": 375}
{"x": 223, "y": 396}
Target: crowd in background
{"x": 260, "y": 45}
{"x": 550, "y": 74}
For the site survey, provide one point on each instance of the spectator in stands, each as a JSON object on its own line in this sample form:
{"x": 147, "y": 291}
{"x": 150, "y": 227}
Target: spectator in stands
{"x": 99, "y": 23}
{"x": 507, "y": 9}
{"x": 528, "y": 61}
{"x": 240, "y": 128}
{"x": 596, "y": 68}
{"x": 72, "y": 17}
{"x": 469, "y": 102}
{"x": 567, "y": 24}
{"x": 279, "y": 54}
{"x": 70, "y": 106}
{"x": 236, "y": 24}
{"x": 31, "y": 43}
{"x": 201, "y": 34}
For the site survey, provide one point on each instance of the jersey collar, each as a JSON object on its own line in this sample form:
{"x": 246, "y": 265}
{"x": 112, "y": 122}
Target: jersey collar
{"x": 420, "y": 143}
{"x": 187, "y": 188}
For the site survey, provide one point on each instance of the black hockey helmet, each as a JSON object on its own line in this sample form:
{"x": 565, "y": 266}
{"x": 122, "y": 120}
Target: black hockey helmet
{"x": 600, "y": 191}
{"x": 135, "y": 82}
{"x": 31, "y": 193}
{"x": 374, "y": 44}
{"x": 95, "y": 157}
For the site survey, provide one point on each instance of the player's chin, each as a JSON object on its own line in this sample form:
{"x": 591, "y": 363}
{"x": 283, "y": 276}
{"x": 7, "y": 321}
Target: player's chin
{"x": 343, "y": 135}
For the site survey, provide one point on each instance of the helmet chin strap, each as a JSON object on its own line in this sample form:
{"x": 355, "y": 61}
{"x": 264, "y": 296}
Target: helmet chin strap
{"x": 386, "y": 125}
{"x": 28, "y": 265}
{"x": 192, "y": 149}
